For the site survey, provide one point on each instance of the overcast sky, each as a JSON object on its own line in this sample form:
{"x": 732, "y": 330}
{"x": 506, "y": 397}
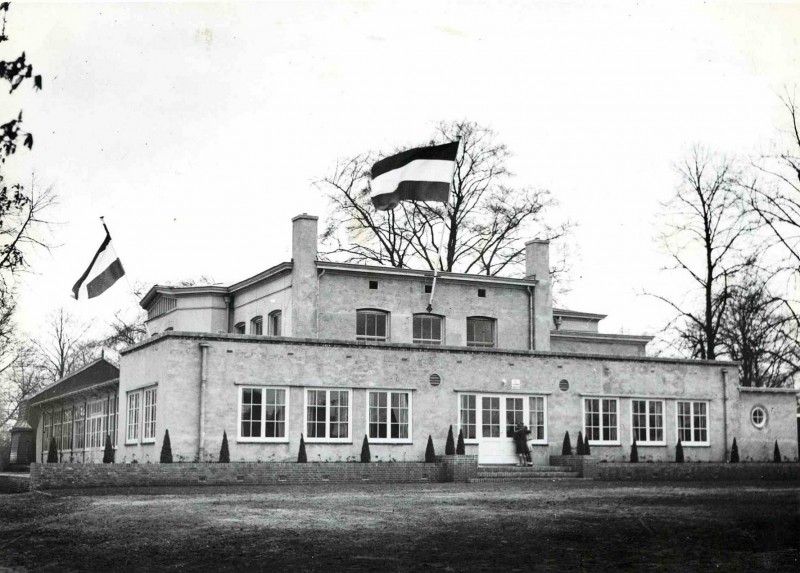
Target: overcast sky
{"x": 198, "y": 130}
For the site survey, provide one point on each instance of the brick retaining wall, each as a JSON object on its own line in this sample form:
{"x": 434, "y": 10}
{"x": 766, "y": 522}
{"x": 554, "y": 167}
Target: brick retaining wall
{"x": 14, "y": 483}
{"x": 706, "y": 471}
{"x": 458, "y": 468}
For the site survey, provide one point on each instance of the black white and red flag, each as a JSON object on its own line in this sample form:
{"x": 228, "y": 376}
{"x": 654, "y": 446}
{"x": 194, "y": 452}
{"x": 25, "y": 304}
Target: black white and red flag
{"x": 104, "y": 270}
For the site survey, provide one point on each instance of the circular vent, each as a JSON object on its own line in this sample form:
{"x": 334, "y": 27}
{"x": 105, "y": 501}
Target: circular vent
{"x": 435, "y": 379}
{"x": 563, "y": 385}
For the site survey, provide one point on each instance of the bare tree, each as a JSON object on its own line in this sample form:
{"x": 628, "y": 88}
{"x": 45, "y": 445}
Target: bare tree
{"x": 19, "y": 379}
{"x": 64, "y": 347}
{"x": 702, "y": 237}
{"x": 486, "y": 223}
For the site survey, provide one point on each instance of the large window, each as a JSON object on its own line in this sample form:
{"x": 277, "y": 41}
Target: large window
{"x": 328, "y": 415}
{"x": 95, "y": 416}
{"x": 480, "y": 331}
{"x": 514, "y": 414}
{"x": 112, "y": 419}
{"x": 468, "y": 416}
{"x": 537, "y": 414}
{"x": 647, "y": 421}
{"x": 66, "y": 430}
{"x": 262, "y": 414}
{"x": 600, "y": 420}
{"x": 427, "y": 329}
{"x": 149, "y": 434}
{"x": 275, "y": 323}
{"x": 490, "y": 417}
{"x": 389, "y": 416}
{"x": 257, "y": 325}
{"x": 134, "y": 407}
{"x": 372, "y": 325}
{"x": 56, "y": 417}
{"x": 693, "y": 423}
{"x": 78, "y": 425}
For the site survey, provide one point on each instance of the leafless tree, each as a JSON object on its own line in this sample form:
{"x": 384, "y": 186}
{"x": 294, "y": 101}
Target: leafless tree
{"x": 64, "y": 346}
{"x": 702, "y": 237}
{"x": 19, "y": 379}
{"x": 486, "y": 222}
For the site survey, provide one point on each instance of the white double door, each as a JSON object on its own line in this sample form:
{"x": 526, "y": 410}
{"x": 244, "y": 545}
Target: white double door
{"x": 498, "y": 415}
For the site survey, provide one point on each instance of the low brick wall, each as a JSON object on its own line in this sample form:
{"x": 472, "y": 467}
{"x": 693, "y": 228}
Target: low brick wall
{"x": 458, "y": 468}
{"x": 706, "y": 471}
{"x": 59, "y": 476}
{"x": 14, "y": 483}
{"x": 584, "y": 465}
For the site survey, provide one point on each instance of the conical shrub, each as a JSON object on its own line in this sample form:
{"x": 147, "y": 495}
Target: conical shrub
{"x": 461, "y": 449}
{"x": 634, "y": 453}
{"x": 52, "y": 452}
{"x": 776, "y": 453}
{"x": 166, "y": 449}
{"x": 566, "y": 447}
{"x": 734, "y": 452}
{"x": 586, "y": 450}
{"x": 302, "y": 458}
{"x": 366, "y": 457}
{"x": 224, "y": 453}
{"x": 450, "y": 446}
{"x": 108, "y": 452}
{"x": 679, "y": 452}
{"x": 580, "y": 451}
{"x": 430, "y": 453}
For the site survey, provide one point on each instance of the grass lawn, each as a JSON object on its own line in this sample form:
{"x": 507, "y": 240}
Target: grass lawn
{"x": 545, "y": 525}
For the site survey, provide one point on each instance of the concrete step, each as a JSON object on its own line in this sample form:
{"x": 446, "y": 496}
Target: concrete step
{"x": 527, "y": 477}
{"x": 519, "y": 469}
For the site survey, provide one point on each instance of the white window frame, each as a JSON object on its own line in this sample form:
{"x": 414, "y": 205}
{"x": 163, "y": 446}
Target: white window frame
{"x": 148, "y": 412}
{"x": 257, "y": 323}
{"x": 95, "y": 424}
{"x": 477, "y": 418}
{"x": 327, "y": 439}
{"x": 272, "y": 318}
{"x": 428, "y": 341}
{"x": 390, "y": 440}
{"x": 648, "y": 401}
{"x": 601, "y": 442}
{"x": 693, "y": 443}
{"x": 544, "y": 406}
{"x": 763, "y": 410}
{"x": 132, "y": 437}
{"x": 263, "y": 440}
{"x": 375, "y": 338}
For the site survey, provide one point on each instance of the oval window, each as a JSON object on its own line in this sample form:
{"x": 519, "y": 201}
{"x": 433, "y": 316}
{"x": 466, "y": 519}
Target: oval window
{"x": 758, "y": 416}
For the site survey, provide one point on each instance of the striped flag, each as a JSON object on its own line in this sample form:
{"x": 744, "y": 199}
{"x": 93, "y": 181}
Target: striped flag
{"x": 104, "y": 270}
{"x": 421, "y": 174}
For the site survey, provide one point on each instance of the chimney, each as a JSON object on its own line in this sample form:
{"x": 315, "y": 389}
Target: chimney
{"x": 304, "y": 277}
{"x": 537, "y": 266}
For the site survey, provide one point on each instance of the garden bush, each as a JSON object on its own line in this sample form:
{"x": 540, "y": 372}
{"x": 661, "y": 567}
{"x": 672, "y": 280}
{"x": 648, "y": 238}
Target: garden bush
{"x": 450, "y": 446}
{"x": 734, "y": 452}
{"x": 580, "y": 451}
{"x": 301, "y": 455}
{"x": 166, "y": 450}
{"x": 52, "y": 452}
{"x": 586, "y": 450}
{"x": 224, "y": 453}
{"x": 566, "y": 448}
{"x": 366, "y": 457}
{"x": 108, "y": 452}
{"x": 461, "y": 449}
{"x": 430, "y": 453}
{"x": 634, "y": 453}
{"x": 776, "y": 454}
{"x": 679, "y": 452}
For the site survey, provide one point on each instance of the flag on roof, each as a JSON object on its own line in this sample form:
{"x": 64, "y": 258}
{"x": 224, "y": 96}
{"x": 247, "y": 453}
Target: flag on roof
{"x": 421, "y": 174}
{"x": 104, "y": 270}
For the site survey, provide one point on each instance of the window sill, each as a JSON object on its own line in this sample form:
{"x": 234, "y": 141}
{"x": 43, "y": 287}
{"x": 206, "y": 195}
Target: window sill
{"x": 651, "y": 444}
{"x": 262, "y": 440}
{"x": 696, "y": 444}
{"x": 388, "y": 441}
{"x": 149, "y": 442}
{"x": 539, "y": 443}
{"x": 328, "y": 441}
{"x": 613, "y": 444}
{"x": 131, "y": 442}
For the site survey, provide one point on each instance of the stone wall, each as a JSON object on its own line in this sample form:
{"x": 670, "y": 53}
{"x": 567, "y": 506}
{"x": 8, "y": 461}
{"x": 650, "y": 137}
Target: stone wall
{"x": 14, "y": 483}
{"x": 694, "y": 472}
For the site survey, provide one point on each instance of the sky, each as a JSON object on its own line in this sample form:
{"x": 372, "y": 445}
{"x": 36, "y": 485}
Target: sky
{"x": 198, "y": 129}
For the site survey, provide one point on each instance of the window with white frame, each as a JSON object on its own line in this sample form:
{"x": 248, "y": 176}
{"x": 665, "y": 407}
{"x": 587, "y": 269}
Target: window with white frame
{"x": 328, "y": 415}
{"x": 262, "y": 414}
{"x": 468, "y": 415}
{"x": 647, "y": 421}
{"x": 47, "y": 428}
{"x": 257, "y": 325}
{"x": 758, "y": 416}
{"x": 134, "y": 407}
{"x": 537, "y": 414}
{"x": 480, "y": 331}
{"x": 149, "y": 428}
{"x": 112, "y": 419}
{"x": 66, "y": 430}
{"x": 389, "y": 416}
{"x": 693, "y": 423}
{"x": 275, "y": 323}
{"x": 600, "y": 424}
{"x": 372, "y": 325}
{"x": 95, "y": 434}
{"x": 490, "y": 417}
{"x": 427, "y": 329}
{"x": 78, "y": 425}
{"x": 515, "y": 414}
{"x": 57, "y": 427}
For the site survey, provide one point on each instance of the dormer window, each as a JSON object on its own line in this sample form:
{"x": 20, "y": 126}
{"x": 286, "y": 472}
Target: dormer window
{"x": 372, "y": 325}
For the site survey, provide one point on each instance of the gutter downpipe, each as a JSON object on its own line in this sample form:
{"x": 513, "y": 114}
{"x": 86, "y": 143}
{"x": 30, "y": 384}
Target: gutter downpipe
{"x": 319, "y": 276}
{"x": 203, "y": 379}
{"x": 228, "y": 312}
{"x": 725, "y": 412}
{"x": 531, "y": 323}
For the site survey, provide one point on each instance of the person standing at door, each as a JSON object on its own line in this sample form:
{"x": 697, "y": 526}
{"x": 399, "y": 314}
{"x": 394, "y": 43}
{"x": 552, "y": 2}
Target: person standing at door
{"x": 521, "y": 442}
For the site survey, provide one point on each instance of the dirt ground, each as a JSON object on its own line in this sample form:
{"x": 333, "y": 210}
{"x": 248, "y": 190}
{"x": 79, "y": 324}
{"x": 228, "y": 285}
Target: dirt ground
{"x": 545, "y": 525}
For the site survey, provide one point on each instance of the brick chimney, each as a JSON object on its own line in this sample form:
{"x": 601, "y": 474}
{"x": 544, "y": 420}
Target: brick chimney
{"x": 537, "y": 266}
{"x": 304, "y": 276}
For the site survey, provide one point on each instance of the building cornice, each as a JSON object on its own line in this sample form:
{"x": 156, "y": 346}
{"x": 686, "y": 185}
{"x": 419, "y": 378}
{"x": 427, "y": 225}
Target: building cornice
{"x": 578, "y": 314}
{"x": 87, "y": 390}
{"x": 71, "y": 375}
{"x": 580, "y": 335}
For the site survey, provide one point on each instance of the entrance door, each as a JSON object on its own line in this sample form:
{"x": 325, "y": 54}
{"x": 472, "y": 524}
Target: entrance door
{"x": 499, "y": 415}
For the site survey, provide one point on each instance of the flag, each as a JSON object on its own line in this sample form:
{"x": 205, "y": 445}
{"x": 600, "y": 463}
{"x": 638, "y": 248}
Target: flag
{"x": 104, "y": 270}
{"x": 421, "y": 174}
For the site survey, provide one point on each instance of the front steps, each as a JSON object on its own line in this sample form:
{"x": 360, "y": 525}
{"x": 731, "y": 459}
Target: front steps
{"x": 493, "y": 473}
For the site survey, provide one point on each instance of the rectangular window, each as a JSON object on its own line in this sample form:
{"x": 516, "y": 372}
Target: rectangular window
{"x": 238, "y": 328}
{"x": 537, "y": 414}
{"x": 112, "y": 419}
{"x": 78, "y": 425}
{"x": 275, "y": 323}
{"x": 490, "y": 417}
{"x": 328, "y": 415}
{"x": 600, "y": 420}
{"x": 468, "y": 416}
{"x": 693, "y": 423}
{"x": 66, "y": 430}
{"x": 149, "y": 416}
{"x": 647, "y": 421}
{"x": 371, "y": 325}
{"x": 480, "y": 332}
{"x": 47, "y": 428}
{"x": 262, "y": 414}
{"x": 134, "y": 403}
{"x": 257, "y": 325}
{"x": 95, "y": 436}
{"x": 514, "y": 414}
{"x": 427, "y": 329}
{"x": 57, "y": 427}
{"x": 389, "y": 416}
